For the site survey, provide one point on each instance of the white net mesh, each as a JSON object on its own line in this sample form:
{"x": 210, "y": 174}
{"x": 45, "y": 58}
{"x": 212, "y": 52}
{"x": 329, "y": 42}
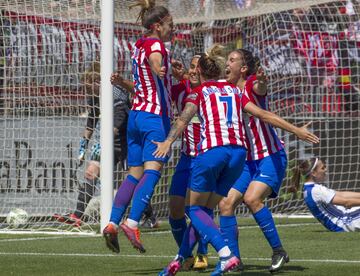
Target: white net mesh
{"x": 309, "y": 50}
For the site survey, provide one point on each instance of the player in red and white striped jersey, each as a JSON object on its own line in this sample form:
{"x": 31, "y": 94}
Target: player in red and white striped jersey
{"x": 181, "y": 177}
{"x": 221, "y": 152}
{"x": 149, "y": 119}
{"x": 262, "y": 138}
{"x": 266, "y": 162}
{"x": 152, "y": 89}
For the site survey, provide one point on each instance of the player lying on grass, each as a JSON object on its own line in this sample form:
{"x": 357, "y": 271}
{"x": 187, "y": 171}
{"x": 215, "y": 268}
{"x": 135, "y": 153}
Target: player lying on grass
{"x": 338, "y": 211}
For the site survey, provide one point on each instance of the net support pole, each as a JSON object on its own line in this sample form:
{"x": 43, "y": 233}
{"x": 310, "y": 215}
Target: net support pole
{"x": 106, "y": 110}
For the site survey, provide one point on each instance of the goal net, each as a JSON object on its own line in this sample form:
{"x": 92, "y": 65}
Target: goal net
{"x": 309, "y": 50}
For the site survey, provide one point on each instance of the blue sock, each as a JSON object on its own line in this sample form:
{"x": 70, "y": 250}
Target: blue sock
{"x": 122, "y": 198}
{"x": 266, "y": 223}
{"x": 230, "y": 233}
{"x": 188, "y": 243}
{"x": 143, "y": 193}
{"x": 203, "y": 244}
{"x": 178, "y": 227}
{"x": 206, "y": 227}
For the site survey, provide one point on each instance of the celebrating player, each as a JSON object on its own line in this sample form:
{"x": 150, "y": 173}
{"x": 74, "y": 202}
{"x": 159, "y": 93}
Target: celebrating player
{"x": 266, "y": 162}
{"x": 221, "y": 152}
{"x": 181, "y": 177}
{"x": 149, "y": 119}
{"x": 338, "y": 211}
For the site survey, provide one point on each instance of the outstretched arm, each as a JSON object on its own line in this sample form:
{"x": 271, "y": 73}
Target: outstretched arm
{"x": 301, "y": 132}
{"x": 346, "y": 199}
{"x": 178, "y": 127}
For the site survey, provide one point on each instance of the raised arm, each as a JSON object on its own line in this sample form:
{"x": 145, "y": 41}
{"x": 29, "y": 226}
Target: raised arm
{"x": 301, "y": 132}
{"x": 260, "y": 84}
{"x": 163, "y": 148}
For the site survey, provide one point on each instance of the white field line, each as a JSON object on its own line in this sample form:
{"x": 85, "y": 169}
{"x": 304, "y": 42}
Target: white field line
{"x": 71, "y": 235}
{"x": 160, "y": 257}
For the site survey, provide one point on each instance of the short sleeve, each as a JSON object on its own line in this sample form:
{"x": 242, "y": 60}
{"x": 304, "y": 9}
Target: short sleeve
{"x": 153, "y": 47}
{"x": 193, "y": 98}
{"x": 244, "y": 100}
{"x": 322, "y": 194}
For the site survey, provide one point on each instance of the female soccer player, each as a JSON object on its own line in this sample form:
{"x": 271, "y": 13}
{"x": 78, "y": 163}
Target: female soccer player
{"x": 181, "y": 177}
{"x": 338, "y": 211}
{"x": 222, "y": 151}
{"x": 149, "y": 119}
{"x": 266, "y": 162}
{"x": 91, "y": 83}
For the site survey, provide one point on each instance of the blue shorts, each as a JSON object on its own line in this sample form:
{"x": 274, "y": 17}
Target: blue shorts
{"x": 144, "y": 127}
{"x": 181, "y": 178}
{"x": 217, "y": 169}
{"x": 269, "y": 170}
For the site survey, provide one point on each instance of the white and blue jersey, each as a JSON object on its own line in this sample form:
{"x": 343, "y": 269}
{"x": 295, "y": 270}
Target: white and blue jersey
{"x": 318, "y": 199}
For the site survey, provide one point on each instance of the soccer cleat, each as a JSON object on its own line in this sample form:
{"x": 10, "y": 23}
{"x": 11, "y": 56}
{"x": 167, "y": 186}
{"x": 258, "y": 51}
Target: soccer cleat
{"x": 150, "y": 223}
{"x": 188, "y": 264}
{"x": 133, "y": 236}
{"x": 110, "y": 234}
{"x": 225, "y": 265}
{"x": 173, "y": 267}
{"x": 278, "y": 259}
{"x": 69, "y": 219}
{"x": 201, "y": 262}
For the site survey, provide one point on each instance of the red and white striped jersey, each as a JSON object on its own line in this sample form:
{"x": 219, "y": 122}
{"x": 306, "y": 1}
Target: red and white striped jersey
{"x": 191, "y": 135}
{"x": 262, "y": 139}
{"x": 152, "y": 93}
{"x": 220, "y": 107}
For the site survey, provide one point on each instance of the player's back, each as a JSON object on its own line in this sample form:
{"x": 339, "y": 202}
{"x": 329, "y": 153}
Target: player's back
{"x": 220, "y": 111}
{"x": 151, "y": 91}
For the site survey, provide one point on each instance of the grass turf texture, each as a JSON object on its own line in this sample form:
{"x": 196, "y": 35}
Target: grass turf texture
{"x": 312, "y": 249}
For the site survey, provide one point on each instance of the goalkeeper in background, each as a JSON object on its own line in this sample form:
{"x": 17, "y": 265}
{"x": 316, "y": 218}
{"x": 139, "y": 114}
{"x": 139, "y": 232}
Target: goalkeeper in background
{"x": 91, "y": 82}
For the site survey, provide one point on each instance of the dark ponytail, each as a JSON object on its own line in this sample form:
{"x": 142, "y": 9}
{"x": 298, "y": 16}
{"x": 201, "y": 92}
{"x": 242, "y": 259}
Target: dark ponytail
{"x": 303, "y": 168}
{"x": 249, "y": 60}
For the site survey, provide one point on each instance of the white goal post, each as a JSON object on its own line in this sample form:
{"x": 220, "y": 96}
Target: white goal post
{"x": 309, "y": 50}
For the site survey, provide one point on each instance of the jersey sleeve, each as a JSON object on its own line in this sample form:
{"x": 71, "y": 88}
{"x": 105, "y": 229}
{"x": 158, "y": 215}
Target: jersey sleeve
{"x": 244, "y": 100}
{"x": 321, "y": 193}
{"x": 249, "y": 85}
{"x": 93, "y": 112}
{"x": 154, "y": 46}
{"x": 193, "y": 97}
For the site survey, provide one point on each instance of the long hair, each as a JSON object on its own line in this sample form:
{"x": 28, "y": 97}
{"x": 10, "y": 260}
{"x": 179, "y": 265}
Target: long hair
{"x": 149, "y": 13}
{"x": 212, "y": 62}
{"x": 303, "y": 168}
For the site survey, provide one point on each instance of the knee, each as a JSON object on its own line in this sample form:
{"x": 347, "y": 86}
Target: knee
{"x": 253, "y": 203}
{"x": 226, "y": 207}
{"x": 228, "y": 204}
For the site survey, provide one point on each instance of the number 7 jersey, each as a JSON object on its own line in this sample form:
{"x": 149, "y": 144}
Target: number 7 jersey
{"x": 220, "y": 107}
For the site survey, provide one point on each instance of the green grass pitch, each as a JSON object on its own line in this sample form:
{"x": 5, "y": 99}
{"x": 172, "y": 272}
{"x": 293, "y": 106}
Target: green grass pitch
{"x": 312, "y": 249}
